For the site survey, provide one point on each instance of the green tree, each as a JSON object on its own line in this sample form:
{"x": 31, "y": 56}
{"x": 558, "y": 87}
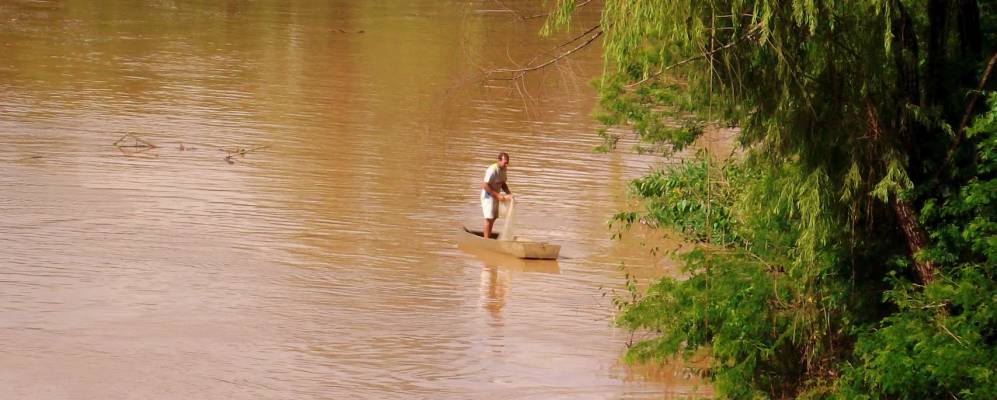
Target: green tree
{"x": 859, "y": 229}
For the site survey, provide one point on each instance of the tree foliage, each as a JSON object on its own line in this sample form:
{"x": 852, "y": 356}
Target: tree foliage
{"x": 852, "y": 251}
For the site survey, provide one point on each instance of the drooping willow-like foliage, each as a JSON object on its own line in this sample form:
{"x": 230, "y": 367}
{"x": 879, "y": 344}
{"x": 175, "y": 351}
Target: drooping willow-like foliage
{"x": 855, "y": 120}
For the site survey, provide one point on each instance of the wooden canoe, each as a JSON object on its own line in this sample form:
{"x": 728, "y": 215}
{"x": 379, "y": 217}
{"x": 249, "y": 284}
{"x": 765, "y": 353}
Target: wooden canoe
{"x": 517, "y": 247}
{"x": 492, "y": 259}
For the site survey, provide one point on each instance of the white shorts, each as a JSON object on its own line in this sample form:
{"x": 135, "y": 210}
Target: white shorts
{"x": 489, "y": 207}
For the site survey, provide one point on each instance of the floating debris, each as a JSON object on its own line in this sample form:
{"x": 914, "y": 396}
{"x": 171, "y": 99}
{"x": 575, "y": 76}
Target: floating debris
{"x": 241, "y": 152}
{"x": 132, "y": 144}
{"x": 138, "y": 142}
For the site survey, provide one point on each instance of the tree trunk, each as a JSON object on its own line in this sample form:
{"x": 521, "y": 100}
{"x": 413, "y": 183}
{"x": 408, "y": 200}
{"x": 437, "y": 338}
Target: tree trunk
{"x": 917, "y": 239}
{"x": 938, "y": 29}
{"x": 968, "y": 21}
{"x": 908, "y": 131}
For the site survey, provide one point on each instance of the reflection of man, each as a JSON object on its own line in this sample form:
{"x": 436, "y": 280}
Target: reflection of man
{"x": 490, "y": 196}
{"x": 494, "y": 285}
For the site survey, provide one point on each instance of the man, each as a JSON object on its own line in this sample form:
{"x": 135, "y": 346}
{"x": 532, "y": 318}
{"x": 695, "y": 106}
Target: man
{"x": 490, "y": 196}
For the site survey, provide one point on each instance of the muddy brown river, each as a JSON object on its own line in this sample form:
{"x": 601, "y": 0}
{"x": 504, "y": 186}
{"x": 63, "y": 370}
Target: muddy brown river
{"x": 293, "y": 233}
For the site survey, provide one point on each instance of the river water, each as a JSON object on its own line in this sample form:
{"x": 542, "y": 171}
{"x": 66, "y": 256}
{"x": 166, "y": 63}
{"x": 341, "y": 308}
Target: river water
{"x": 321, "y": 262}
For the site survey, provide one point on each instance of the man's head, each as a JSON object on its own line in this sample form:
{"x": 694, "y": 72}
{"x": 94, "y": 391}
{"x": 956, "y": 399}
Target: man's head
{"x": 503, "y": 159}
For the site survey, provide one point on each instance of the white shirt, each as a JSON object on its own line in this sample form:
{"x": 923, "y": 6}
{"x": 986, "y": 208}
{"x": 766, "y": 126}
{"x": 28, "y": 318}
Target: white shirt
{"x": 494, "y": 177}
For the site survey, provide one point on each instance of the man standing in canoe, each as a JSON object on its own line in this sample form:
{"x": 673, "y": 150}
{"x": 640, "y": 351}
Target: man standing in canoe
{"x": 490, "y": 196}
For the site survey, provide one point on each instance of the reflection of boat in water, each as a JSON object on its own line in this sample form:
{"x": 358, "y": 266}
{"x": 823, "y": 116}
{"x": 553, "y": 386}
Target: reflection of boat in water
{"x": 518, "y": 247}
{"x": 510, "y": 263}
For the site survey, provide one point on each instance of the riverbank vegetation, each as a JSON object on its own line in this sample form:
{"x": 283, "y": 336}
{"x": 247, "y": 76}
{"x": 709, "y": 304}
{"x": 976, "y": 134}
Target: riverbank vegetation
{"x": 851, "y": 251}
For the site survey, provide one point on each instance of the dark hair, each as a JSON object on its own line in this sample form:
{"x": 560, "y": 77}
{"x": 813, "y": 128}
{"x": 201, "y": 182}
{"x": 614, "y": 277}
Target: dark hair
{"x": 503, "y": 155}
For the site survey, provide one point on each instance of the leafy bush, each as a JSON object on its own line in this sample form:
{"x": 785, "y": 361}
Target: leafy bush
{"x": 786, "y": 315}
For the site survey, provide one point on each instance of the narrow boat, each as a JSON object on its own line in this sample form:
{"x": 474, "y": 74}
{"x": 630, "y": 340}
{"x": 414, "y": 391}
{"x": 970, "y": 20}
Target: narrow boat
{"x": 493, "y": 259}
{"x": 517, "y": 247}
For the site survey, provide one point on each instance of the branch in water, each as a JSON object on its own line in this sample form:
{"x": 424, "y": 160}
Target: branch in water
{"x": 139, "y": 142}
{"x": 144, "y": 145}
{"x": 525, "y": 18}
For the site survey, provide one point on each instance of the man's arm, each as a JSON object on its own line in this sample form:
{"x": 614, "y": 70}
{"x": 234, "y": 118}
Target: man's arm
{"x": 505, "y": 187}
{"x": 494, "y": 193}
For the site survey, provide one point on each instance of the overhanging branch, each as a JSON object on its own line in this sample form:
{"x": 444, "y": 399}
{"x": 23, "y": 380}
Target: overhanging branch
{"x": 519, "y": 73}
{"x": 753, "y": 33}
{"x": 535, "y": 16}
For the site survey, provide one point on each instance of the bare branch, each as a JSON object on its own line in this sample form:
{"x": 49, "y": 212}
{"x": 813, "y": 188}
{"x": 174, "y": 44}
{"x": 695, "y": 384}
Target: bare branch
{"x": 529, "y": 17}
{"x": 750, "y": 35}
{"x": 575, "y": 39}
{"x": 572, "y": 40}
{"x": 520, "y": 72}
{"x": 546, "y": 14}
{"x": 946, "y": 329}
{"x": 965, "y": 116}
{"x": 975, "y": 95}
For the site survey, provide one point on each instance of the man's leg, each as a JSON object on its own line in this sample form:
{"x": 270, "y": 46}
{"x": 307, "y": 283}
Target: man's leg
{"x": 489, "y": 207}
{"x": 487, "y": 232}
